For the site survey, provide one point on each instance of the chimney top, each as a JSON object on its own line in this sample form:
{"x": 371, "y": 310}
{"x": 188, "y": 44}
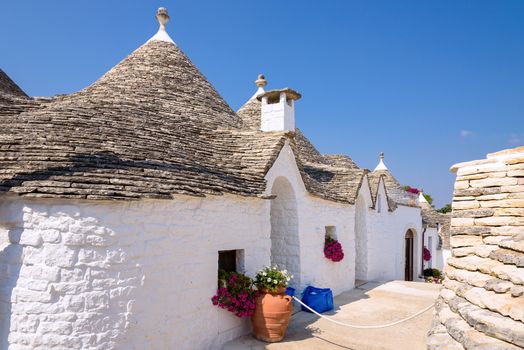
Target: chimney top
{"x": 274, "y": 95}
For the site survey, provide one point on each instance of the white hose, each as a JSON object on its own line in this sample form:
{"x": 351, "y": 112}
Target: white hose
{"x": 364, "y": 327}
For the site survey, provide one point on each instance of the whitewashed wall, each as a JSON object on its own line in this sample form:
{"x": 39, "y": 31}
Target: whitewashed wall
{"x": 314, "y": 214}
{"x": 363, "y": 211}
{"x": 123, "y": 275}
{"x": 386, "y": 243}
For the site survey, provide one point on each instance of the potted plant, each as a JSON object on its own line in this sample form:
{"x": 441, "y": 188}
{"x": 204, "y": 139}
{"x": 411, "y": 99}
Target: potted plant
{"x": 235, "y": 293}
{"x": 433, "y": 275}
{"x": 273, "y": 308}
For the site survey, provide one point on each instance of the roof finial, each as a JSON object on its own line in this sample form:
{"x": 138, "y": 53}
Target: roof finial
{"x": 381, "y": 165}
{"x": 261, "y": 82}
{"x": 163, "y": 17}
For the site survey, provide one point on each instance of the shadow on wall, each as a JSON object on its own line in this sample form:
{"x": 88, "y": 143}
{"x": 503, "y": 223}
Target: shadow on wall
{"x": 10, "y": 265}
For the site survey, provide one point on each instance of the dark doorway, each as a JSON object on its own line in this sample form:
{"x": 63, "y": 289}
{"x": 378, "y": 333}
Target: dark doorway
{"x": 408, "y": 271}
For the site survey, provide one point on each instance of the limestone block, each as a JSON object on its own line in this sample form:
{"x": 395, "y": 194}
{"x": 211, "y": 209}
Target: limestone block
{"x": 511, "y": 189}
{"x": 21, "y": 295}
{"x": 50, "y": 236}
{"x": 507, "y": 230}
{"x": 509, "y": 212}
{"x": 510, "y": 273}
{"x": 465, "y": 241}
{"x": 490, "y": 197}
{"x": 462, "y": 222}
{"x": 59, "y": 255}
{"x": 461, "y": 185}
{"x": 499, "y": 221}
{"x": 51, "y": 274}
{"x": 96, "y": 300}
{"x": 61, "y": 328}
{"x": 516, "y": 173}
{"x": 477, "y": 191}
{"x": 472, "y": 177}
{"x": 463, "y": 251}
{"x": 494, "y": 182}
{"x": 474, "y": 213}
{"x": 464, "y": 198}
{"x": 508, "y": 203}
{"x": 465, "y": 205}
{"x": 517, "y": 291}
{"x": 484, "y": 250}
{"x": 31, "y": 238}
{"x": 508, "y": 256}
{"x": 471, "y": 230}
{"x": 473, "y": 278}
{"x": 498, "y": 285}
{"x": 73, "y": 239}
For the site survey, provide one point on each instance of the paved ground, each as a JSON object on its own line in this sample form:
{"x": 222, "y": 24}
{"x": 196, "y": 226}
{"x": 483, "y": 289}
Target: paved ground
{"x": 372, "y": 303}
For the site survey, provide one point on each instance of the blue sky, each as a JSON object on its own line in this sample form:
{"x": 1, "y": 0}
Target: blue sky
{"x": 430, "y": 83}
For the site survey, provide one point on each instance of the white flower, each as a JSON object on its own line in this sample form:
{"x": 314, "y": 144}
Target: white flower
{"x": 275, "y": 281}
{"x": 288, "y": 279}
{"x": 291, "y": 276}
{"x": 269, "y": 280}
{"x": 284, "y": 271}
{"x": 264, "y": 273}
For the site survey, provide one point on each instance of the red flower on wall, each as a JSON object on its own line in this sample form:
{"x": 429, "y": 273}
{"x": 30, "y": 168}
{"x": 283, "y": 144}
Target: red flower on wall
{"x": 333, "y": 250}
{"x": 426, "y": 254}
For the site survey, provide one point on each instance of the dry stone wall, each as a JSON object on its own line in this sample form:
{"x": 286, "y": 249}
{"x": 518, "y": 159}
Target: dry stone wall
{"x": 482, "y": 303}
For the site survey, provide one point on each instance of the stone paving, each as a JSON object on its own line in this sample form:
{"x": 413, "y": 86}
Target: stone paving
{"x": 372, "y": 303}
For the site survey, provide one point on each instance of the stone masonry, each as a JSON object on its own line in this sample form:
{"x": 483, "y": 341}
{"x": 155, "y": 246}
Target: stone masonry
{"x": 482, "y": 303}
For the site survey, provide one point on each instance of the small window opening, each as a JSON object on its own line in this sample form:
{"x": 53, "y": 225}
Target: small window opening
{"x": 331, "y": 232}
{"x": 231, "y": 260}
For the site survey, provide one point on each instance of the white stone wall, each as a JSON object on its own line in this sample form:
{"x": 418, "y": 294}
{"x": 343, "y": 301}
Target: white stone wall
{"x": 362, "y": 212}
{"x": 314, "y": 214}
{"x": 386, "y": 243}
{"x": 123, "y": 275}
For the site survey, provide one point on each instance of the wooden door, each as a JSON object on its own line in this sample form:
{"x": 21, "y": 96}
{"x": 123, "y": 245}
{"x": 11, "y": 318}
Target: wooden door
{"x": 408, "y": 271}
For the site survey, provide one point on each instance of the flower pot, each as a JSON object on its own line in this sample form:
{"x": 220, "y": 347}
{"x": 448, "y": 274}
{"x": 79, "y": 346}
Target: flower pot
{"x": 271, "y": 317}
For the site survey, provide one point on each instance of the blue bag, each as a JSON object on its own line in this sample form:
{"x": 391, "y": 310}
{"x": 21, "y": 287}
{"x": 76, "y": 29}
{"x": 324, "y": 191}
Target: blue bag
{"x": 290, "y": 291}
{"x": 319, "y": 299}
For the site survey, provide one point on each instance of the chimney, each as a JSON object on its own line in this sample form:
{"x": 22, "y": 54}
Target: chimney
{"x": 278, "y": 110}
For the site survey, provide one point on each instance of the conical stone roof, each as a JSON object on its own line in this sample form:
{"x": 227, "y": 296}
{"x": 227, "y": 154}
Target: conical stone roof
{"x": 9, "y": 88}
{"x": 150, "y": 127}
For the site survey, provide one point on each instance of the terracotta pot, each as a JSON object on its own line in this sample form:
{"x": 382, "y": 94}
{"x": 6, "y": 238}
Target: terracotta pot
{"x": 271, "y": 316}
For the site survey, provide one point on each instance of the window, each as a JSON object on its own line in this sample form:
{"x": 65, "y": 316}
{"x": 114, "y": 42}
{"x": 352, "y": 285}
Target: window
{"x": 231, "y": 260}
{"x": 331, "y": 231}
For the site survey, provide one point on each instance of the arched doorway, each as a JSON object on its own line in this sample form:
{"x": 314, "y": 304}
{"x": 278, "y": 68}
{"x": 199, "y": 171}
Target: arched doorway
{"x": 361, "y": 244}
{"x": 409, "y": 244}
{"x": 285, "y": 244}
